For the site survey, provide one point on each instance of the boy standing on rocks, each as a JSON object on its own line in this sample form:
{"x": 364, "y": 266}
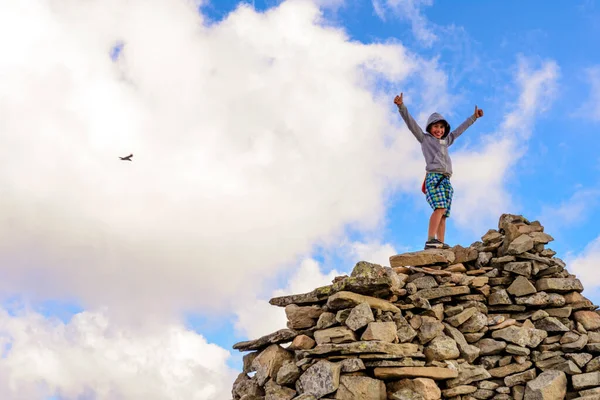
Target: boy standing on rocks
{"x": 437, "y": 187}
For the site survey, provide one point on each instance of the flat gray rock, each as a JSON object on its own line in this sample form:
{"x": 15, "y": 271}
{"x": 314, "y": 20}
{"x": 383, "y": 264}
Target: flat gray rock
{"x": 281, "y": 336}
{"x": 424, "y": 257}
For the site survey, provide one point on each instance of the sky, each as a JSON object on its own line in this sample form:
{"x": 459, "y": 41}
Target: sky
{"x": 268, "y": 159}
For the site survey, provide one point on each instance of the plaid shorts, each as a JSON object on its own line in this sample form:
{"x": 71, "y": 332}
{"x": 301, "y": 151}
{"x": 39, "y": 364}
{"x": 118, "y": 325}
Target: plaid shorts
{"x": 440, "y": 196}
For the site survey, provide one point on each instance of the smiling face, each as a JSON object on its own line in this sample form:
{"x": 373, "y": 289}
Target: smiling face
{"x": 438, "y": 129}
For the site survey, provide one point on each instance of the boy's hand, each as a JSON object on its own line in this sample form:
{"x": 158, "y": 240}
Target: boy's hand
{"x": 398, "y": 100}
{"x": 478, "y": 113}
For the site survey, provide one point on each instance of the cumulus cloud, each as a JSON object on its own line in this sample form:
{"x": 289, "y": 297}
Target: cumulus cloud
{"x": 585, "y": 266}
{"x": 372, "y": 251}
{"x": 480, "y": 174}
{"x": 248, "y": 147}
{"x": 256, "y": 317}
{"x": 92, "y": 357}
{"x": 307, "y": 277}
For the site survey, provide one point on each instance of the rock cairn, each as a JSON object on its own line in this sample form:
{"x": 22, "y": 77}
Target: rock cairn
{"x": 501, "y": 319}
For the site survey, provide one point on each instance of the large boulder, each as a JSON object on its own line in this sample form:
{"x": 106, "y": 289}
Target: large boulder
{"x": 442, "y": 348}
{"x": 549, "y": 385}
{"x": 273, "y": 391}
{"x": 360, "y": 388}
{"x": 521, "y": 336}
{"x": 589, "y": 319}
{"x": 337, "y": 334}
{"x": 359, "y": 317}
{"x": 320, "y": 379}
{"x": 418, "y": 388}
{"x": 246, "y": 386}
{"x": 269, "y": 361}
{"x": 302, "y": 317}
{"x": 382, "y": 331}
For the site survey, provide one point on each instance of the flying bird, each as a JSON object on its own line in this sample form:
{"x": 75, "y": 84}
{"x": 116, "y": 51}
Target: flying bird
{"x": 127, "y": 158}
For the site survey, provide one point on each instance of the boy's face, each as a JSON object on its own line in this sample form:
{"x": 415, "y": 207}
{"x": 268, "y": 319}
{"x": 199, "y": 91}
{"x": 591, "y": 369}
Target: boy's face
{"x": 437, "y": 130}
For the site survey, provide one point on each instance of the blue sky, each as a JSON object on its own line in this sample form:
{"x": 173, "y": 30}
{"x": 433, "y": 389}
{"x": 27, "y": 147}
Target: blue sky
{"x": 268, "y": 158}
{"x": 479, "y": 56}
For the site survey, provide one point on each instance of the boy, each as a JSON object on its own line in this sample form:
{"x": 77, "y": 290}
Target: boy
{"x": 437, "y": 187}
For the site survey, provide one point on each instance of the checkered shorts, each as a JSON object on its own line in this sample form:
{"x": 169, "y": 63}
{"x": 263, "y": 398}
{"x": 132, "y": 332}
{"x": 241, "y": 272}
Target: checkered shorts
{"x": 439, "y": 196}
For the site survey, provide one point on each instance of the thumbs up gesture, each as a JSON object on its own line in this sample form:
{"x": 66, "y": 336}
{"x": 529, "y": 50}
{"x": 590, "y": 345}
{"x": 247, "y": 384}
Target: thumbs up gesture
{"x": 478, "y": 113}
{"x": 398, "y": 100}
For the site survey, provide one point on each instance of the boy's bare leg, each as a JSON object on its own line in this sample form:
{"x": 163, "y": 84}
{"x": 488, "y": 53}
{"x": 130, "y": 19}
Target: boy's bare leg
{"x": 434, "y": 222}
{"x": 441, "y": 231}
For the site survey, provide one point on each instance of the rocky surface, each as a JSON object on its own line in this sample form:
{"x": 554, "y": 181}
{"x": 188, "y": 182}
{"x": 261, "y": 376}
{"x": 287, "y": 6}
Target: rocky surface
{"x": 500, "y": 319}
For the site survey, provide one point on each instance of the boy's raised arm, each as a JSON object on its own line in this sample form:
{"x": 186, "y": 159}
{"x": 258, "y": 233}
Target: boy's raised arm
{"x": 408, "y": 119}
{"x": 463, "y": 127}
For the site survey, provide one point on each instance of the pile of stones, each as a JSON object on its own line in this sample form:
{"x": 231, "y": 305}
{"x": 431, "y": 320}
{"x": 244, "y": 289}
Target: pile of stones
{"x": 501, "y": 319}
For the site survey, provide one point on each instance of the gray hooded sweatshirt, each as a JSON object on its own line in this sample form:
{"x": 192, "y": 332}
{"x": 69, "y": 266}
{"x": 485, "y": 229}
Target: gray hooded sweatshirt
{"x": 435, "y": 150}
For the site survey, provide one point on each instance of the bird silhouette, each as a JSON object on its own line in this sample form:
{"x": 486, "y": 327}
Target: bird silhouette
{"x": 127, "y": 158}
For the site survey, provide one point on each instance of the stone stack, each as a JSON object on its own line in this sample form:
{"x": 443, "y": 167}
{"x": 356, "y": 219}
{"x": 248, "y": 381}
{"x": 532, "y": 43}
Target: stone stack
{"x": 501, "y": 319}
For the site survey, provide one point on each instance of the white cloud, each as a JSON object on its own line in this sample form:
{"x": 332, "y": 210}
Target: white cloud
{"x": 256, "y": 317}
{"x": 248, "y": 148}
{"x": 373, "y": 252}
{"x": 571, "y": 211}
{"x": 307, "y": 277}
{"x": 410, "y": 10}
{"x": 91, "y": 356}
{"x": 591, "y": 107}
{"x": 585, "y": 266}
{"x": 379, "y": 9}
{"x": 480, "y": 174}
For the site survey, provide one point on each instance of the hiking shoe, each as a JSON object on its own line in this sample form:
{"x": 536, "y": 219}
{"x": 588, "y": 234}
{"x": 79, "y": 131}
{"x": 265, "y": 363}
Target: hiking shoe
{"x": 435, "y": 244}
